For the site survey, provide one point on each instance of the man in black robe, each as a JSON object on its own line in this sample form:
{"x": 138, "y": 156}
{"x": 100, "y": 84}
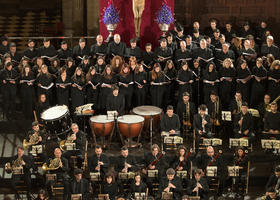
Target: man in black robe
{"x": 148, "y": 57}
{"x": 182, "y": 55}
{"x": 80, "y": 50}
{"x": 115, "y": 101}
{"x": 98, "y": 49}
{"x": 133, "y": 51}
{"x": 210, "y": 29}
{"x": 116, "y": 47}
{"x": 190, "y": 45}
{"x": 31, "y": 52}
{"x": 223, "y": 54}
{"x": 163, "y": 53}
{"x": 203, "y": 54}
{"x": 196, "y": 37}
{"x": 270, "y": 48}
{"x": 80, "y": 185}
{"x": 272, "y": 121}
{"x": 229, "y": 32}
{"x": 198, "y": 186}
{"x": 63, "y": 53}
{"x": 47, "y": 51}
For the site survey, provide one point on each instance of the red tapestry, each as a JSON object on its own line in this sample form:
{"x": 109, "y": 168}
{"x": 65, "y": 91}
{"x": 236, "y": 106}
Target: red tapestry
{"x": 150, "y": 31}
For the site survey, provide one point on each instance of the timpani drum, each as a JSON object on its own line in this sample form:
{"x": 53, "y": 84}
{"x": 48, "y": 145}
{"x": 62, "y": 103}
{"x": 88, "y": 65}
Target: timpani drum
{"x": 101, "y": 125}
{"x": 130, "y": 125}
{"x": 57, "y": 120}
{"x": 147, "y": 112}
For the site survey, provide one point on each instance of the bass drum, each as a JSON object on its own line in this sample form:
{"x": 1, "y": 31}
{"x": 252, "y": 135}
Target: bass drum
{"x": 130, "y": 125}
{"x": 57, "y": 120}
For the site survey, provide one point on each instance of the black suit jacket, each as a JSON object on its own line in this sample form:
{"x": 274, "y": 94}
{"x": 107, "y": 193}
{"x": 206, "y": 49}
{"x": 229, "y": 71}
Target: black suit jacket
{"x": 197, "y": 123}
{"x": 93, "y": 162}
{"x": 80, "y": 188}
{"x": 203, "y": 193}
{"x": 177, "y": 192}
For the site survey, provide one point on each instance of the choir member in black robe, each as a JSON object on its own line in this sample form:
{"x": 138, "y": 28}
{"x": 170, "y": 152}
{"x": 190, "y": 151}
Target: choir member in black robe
{"x": 137, "y": 186}
{"x": 170, "y": 74}
{"x": 196, "y": 37}
{"x": 70, "y": 67}
{"x": 9, "y": 78}
{"x": 190, "y": 45}
{"x": 38, "y": 65}
{"x": 210, "y": 29}
{"x": 246, "y": 30}
{"x": 215, "y": 38}
{"x": 80, "y": 50}
{"x": 259, "y": 74}
{"x": 253, "y": 44}
{"x": 210, "y": 79}
{"x": 80, "y": 185}
{"x": 133, "y": 50}
{"x": 202, "y": 124}
{"x": 274, "y": 178}
{"x": 98, "y": 49}
{"x": 260, "y": 30}
{"x": 243, "y": 123}
{"x": 203, "y": 54}
{"x": 47, "y": 51}
{"x": 274, "y": 80}
{"x": 270, "y": 48}
{"x": 148, "y": 57}
{"x": 25, "y": 162}
{"x": 15, "y": 55}
{"x": 126, "y": 85}
{"x": 63, "y": 84}
{"x": 63, "y": 53}
{"x": 110, "y": 187}
{"x": 4, "y": 47}
{"x": 54, "y": 67}
{"x": 179, "y": 35}
{"x": 185, "y": 110}
{"x": 157, "y": 81}
{"x": 182, "y": 55}
{"x": 140, "y": 88}
{"x": 228, "y": 32}
{"x": 197, "y": 84}
{"x": 125, "y": 162}
{"x": 27, "y": 91}
{"x": 41, "y": 106}
{"x": 243, "y": 76}
{"x": 31, "y": 52}
{"x": 227, "y": 74}
{"x": 172, "y": 44}
{"x": 163, "y": 53}
{"x": 224, "y": 54}
{"x": 116, "y": 47}
{"x": 45, "y": 82}
{"x": 115, "y": 101}
{"x": 107, "y": 81}
{"x": 185, "y": 79}
{"x": 236, "y": 46}
{"x": 272, "y": 121}
{"x": 198, "y": 186}
{"x": 248, "y": 54}
{"x": 171, "y": 183}
{"x": 77, "y": 89}
{"x": 116, "y": 64}
{"x": 93, "y": 80}
{"x": 85, "y": 64}
{"x": 170, "y": 123}
{"x": 100, "y": 65}
{"x": 182, "y": 161}
{"x": 98, "y": 162}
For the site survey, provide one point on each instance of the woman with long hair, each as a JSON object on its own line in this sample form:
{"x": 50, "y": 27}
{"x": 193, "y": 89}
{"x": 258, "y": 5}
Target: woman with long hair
{"x": 137, "y": 186}
{"x": 100, "y": 65}
{"x": 38, "y": 65}
{"x": 55, "y": 66}
{"x": 110, "y": 186}
{"x": 170, "y": 74}
{"x": 93, "y": 80}
{"x": 243, "y": 76}
{"x": 210, "y": 78}
{"x": 77, "y": 89}
{"x": 140, "y": 79}
{"x": 63, "y": 83}
{"x": 185, "y": 80}
{"x": 116, "y": 64}
{"x": 27, "y": 91}
{"x": 70, "y": 67}
{"x": 227, "y": 74}
{"x": 274, "y": 80}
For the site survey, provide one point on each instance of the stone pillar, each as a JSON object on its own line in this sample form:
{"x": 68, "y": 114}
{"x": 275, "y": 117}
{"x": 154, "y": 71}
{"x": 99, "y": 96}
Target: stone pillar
{"x": 78, "y": 15}
{"x": 67, "y": 15}
{"x": 92, "y": 17}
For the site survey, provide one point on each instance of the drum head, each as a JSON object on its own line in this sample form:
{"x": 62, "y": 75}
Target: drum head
{"x": 100, "y": 119}
{"x": 130, "y": 119}
{"x": 54, "y": 112}
{"x": 147, "y": 110}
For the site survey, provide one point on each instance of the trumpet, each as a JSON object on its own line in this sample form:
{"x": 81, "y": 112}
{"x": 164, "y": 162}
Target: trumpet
{"x": 187, "y": 117}
{"x": 54, "y": 165}
{"x": 33, "y": 139}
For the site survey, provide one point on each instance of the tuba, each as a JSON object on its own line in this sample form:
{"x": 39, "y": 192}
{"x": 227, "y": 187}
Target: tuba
{"x": 34, "y": 139}
{"x": 187, "y": 117}
{"x": 54, "y": 165}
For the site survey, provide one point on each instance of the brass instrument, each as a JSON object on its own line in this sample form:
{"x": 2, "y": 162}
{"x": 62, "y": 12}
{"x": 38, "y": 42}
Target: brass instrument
{"x": 239, "y": 104}
{"x": 203, "y": 124}
{"x": 216, "y": 112}
{"x": 16, "y": 165}
{"x": 241, "y": 119}
{"x": 62, "y": 144}
{"x": 54, "y": 165}
{"x": 187, "y": 116}
{"x": 33, "y": 139}
{"x": 268, "y": 106}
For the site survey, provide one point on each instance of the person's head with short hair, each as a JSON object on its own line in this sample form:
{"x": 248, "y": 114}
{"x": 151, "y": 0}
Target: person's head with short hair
{"x": 244, "y": 107}
{"x": 155, "y": 149}
{"x": 216, "y": 33}
{"x": 169, "y": 110}
{"x": 196, "y": 25}
{"x": 75, "y": 128}
{"x": 99, "y": 39}
{"x": 266, "y": 98}
{"x": 4, "y": 40}
{"x": 13, "y": 47}
{"x": 78, "y": 174}
{"x": 115, "y": 90}
{"x": 35, "y": 126}
{"x": 213, "y": 24}
{"x": 137, "y": 177}
{"x": 269, "y": 40}
{"x": 133, "y": 43}
{"x": 163, "y": 43}
{"x": 148, "y": 47}
{"x": 124, "y": 151}
{"x": 238, "y": 95}
{"x": 185, "y": 197}
{"x": 64, "y": 45}
{"x": 203, "y": 44}
{"x": 274, "y": 107}
{"x": 42, "y": 98}
{"x": 213, "y": 96}
{"x": 46, "y": 42}
{"x": 183, "y": 44}
{"x": 20, "y": 151}
{"x": 202, "y": 109}
{"x": 246, "y": 26}
{"x": 117, "y": 38}
{"x": 277, "y": 171}
{"x": 170, "y": 174}
{"x": 210, "y": 151}
{"x": 228, "y": 26}
{"x": 31, "y": 43}
{"x": 188, "y": 40}
{"x": 197, "y": 174}
{"x": 186, "y": 97}
{"x": 57, "y": 152}
{"x": 98, "y": 150}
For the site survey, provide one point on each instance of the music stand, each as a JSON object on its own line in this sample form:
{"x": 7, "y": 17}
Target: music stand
{"x": 95, "y": 176}
{"x": 76, "y": 196}
{"x": 226, "y": 116}
{"x": 126, "y": 176}
{"x": 270, "y": 144}
{"x": 152, "y": 173}
{"x": 211, "y": 171}
{"x": 103, "y": 196}
{"x": 140, "y": 195}
{"x": 36, "y": 149}
{"x": 182, "y": 174}
{"x": 233, "y": 171}
{"x": 238, "y": 142}
{"x": 212, "y": 142}
{"x": 111, "y": 115}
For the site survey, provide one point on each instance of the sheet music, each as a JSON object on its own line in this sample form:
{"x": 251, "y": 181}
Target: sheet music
{"x": 138, "y": 84}
{"x": 184, "y": 59}
{"x": 206, "y": 60}
{"x": 90, "y": 83}
{"x": 49, "y": 57}
{"x": 27, "y": 81}
{"x": 226, "y": 116}
{"x": 47, "y": 87}
{"x": 63, "y": 84}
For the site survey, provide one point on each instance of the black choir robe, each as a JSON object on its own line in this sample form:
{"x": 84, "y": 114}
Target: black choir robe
{"x": 27, "y": 95}
{"x": 63, "y": 94}
{"x": 148, "y": 59}
{"x": 258, "y": 89}
{"x": 177, "y": 192}
{"x": 273, "y": 49}
{"x": 181, "y": 54}
{"x": 185, "y": 76}
{"x": 272, "y": 121}
{"x": 226, "y": 86}
{"x": 181, "y": 110}
{"x": 244, "y": 88}
{"x": 274, "y": 87}
{"x": 206, "y": 54}
{"x": 115, "y": 49}
{"x": 140, "y": 91}
{"x": 77, "y": 95}
{"x": 202, "y": 192}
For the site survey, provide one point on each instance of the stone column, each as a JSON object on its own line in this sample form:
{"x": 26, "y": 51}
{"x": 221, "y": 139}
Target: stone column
{"x": 92, "y": 17}
{"x": 77, "y": 19}
{"x": 67, "y": 15}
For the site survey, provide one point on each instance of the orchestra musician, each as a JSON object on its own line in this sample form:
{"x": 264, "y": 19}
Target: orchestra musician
{"x": 138, "y": 185}
{"x": 23, "y": 163}
{"x": 42, "y": 195}
{"x": 171, "y": 183}
{"x": 271, "y": 194}
{"x": 115, "y": 101}
{"x": 111, "y": 187}
{"x": 236, "y": 103}
{"x": 182, "y": 161}
{"x": 80, "y": 185}
{"x": 198, "y": 186}
{"x": 125, "y": 162}
{"x": 274, "y": 179}
{"x": 170, "y": 123}
{"x": 272, "y": 121}
{"x": 243, "y": 123}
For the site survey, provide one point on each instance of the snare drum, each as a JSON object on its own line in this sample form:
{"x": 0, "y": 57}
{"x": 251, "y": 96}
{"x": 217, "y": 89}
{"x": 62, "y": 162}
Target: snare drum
{"x": 57, "y": 119}
{"x": 130, "y": 125}
{"x": 147, "y": 112}
{"x": 101, "y": 126}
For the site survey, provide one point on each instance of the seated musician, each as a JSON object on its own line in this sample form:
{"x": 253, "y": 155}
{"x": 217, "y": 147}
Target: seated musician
{"x": 125, "y": 163}
{"x": 243, "y": 123}
{"x": 170, "y": 123}
{"x": 42, "y": 195}
{"x": 171, "y": 183}
{"x": 59, "y": 166}
{"x": 137, "y": 186}
{"x": 186, "y": 110}
{"x": 240, "y": 160}
{"x": 99, "y": 162}
{"x": 235, "y": 104}
{"x": 80, "y": 185}
{"x": 182, "y": 161}
{"x": 272, "y": 121}
{"x": 262, "y": 108}
{"x": 77, "y": 137}
{"x": 274, "y": 179}
{"x": 198, "y": 186}
{"x": 214, "y": 109}
{"x": 41, "y": 106}
{"x": 271, "y": 194}
{"x": 115, "y": 101}
{"x": 111, "y": 187}
{"x": 202, "y": 125}
{"x": 20, "y": 165}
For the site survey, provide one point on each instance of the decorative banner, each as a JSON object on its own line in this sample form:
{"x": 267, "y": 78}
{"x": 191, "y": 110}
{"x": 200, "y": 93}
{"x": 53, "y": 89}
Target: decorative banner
{"x": 149, "y": 32}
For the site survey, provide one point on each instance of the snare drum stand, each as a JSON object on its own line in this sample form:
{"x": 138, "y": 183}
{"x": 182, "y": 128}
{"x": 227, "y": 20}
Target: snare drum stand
{"x": 151, "y": 130}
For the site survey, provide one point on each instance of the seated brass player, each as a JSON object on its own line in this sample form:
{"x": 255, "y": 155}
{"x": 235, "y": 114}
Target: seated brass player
{"x": 79, "y": 185}
{"x": 20, "y": 165}
{"x": 198, "y": 186}
{"x": 272, "y": 121}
